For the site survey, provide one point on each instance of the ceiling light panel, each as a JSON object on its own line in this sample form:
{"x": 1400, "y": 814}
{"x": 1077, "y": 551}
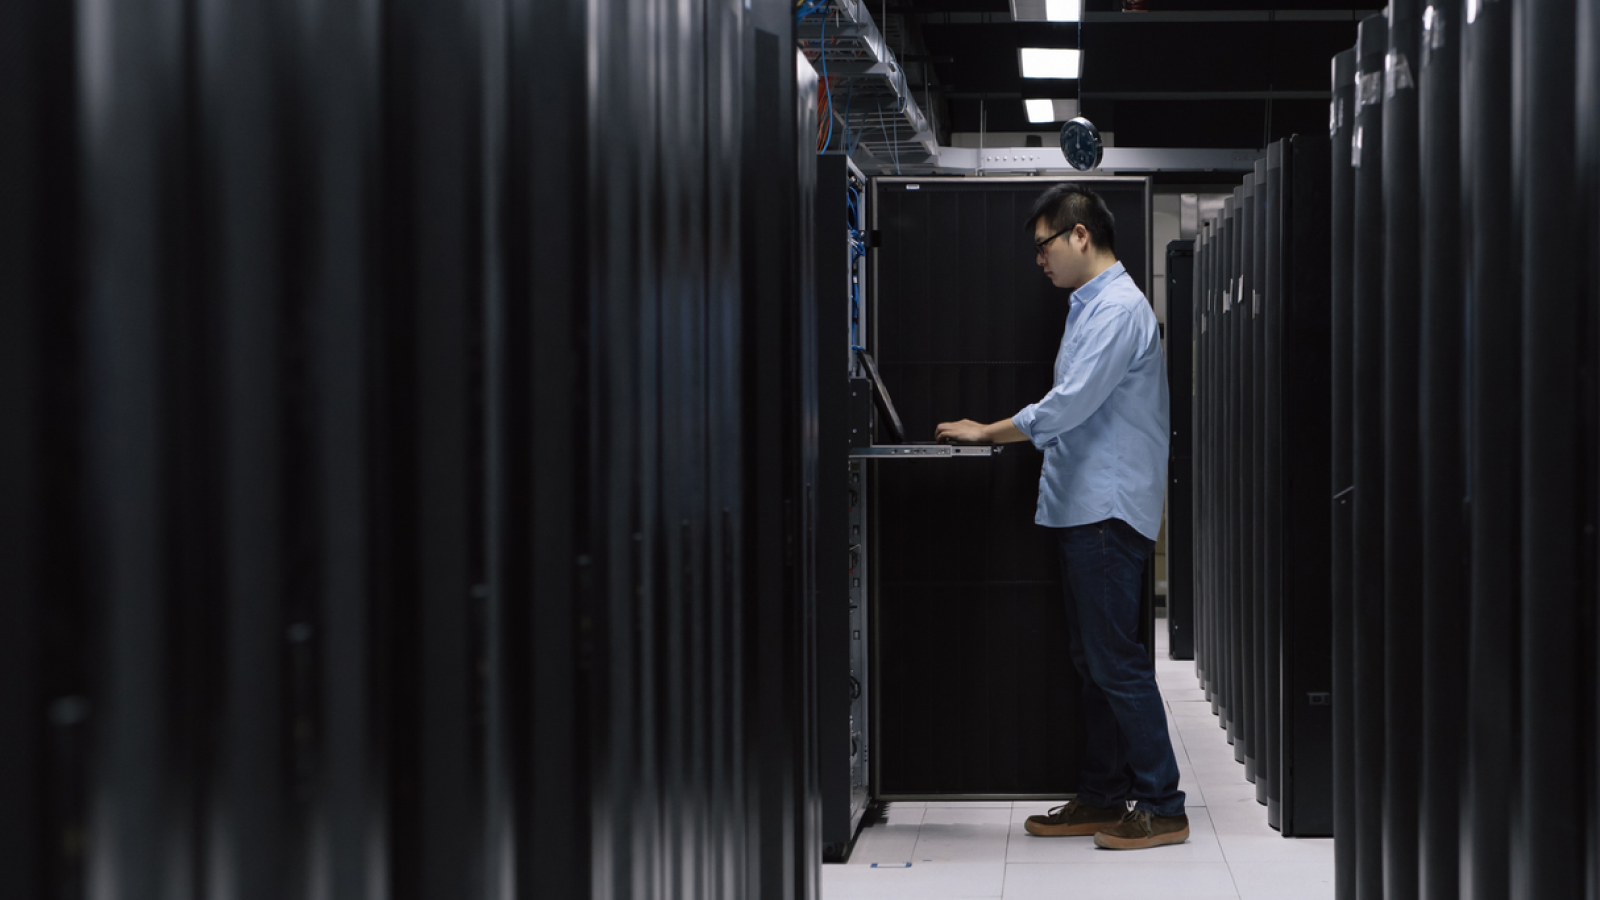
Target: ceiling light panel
{"x": 1046, "y": 10}
{"x": 1044, "y": 112}
{"x": 1063, "y": 10}
{"x": 1040, "y": 62}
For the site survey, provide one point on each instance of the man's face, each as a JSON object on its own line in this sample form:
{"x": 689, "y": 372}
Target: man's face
{"x": 1063, "y": 257}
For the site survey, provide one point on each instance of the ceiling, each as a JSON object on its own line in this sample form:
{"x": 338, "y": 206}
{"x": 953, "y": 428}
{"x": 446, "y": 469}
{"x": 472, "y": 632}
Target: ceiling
{"x": 1189, "y": 73}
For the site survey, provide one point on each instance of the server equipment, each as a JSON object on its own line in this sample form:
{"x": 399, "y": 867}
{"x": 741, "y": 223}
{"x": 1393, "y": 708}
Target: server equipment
{"x": 967, "y": 615}
{"x": 1444, "y": 633}
{"x": 1366, "y": 457}
{"x": 1485, "y": 520}
{"x": 1263, "y": 462}
{"x": 405, "y": 481}
{"x": 1343, "y": 128}
{"x": 842, "y": 679}
{"x": 1402, "y": 459}
{"x": 1494, "y": 450}
{"x": 1181, "y": 488}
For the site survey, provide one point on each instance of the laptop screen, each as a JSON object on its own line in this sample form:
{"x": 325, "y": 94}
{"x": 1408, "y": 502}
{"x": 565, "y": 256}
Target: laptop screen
{"x": 891, "y": 418}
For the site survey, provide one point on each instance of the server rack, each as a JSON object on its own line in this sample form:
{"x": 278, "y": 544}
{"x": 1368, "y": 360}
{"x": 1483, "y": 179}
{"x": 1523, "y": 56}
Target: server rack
{"x": 1367, "y": 506}
{"x": 1494, "y": 426}
{"x": 1443, "y": 475}
{"x": 1559, "y": 427}
{"x": 1402, "y": 491}
{"x": 842, "y": 490}
{"x": 1261, "y": 410}
{"x": 1248, "y": 658}
{"x": 832, "y": 263}
{"x": 1233, "y": 589}
{"x": 1256, "y": 406}
{"x": 307, "y": 605}
{"x": 1272, "y": 520}
{"x": 1300, "y": 614}
{"x": 1343, "y": 126}
{"x": 1181, "y": 487}
{"x": 944, "y": 241}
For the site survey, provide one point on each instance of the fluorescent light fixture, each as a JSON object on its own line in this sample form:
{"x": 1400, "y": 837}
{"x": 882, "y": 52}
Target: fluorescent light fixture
{"x": 1046, "y": 10}
{"x": 1063, "y": 10}
{"x": 1043, "y": 112}
{"x": 1038, "y": 62}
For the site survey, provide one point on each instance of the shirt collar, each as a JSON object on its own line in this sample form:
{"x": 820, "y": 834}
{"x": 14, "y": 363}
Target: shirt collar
{"x": 1098, "y": 283}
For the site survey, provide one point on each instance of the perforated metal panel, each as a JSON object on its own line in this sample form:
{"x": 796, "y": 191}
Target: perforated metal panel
{"x": 406, "y": 468}
{"x": 975, "y": 694}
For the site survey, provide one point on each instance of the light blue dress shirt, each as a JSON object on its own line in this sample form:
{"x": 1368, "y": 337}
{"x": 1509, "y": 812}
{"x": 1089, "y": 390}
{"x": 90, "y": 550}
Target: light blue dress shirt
{"x": 1104, "y": 426}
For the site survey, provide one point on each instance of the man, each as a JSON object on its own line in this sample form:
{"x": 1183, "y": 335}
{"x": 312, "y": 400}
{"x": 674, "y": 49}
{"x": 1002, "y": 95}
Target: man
{"x": 1103, "y": 429}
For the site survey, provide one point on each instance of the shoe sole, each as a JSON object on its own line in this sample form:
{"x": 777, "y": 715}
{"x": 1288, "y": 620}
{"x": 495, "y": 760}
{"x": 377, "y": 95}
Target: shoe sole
{"x": 1111, "y": 842}
{"x": 1085, "y": 829}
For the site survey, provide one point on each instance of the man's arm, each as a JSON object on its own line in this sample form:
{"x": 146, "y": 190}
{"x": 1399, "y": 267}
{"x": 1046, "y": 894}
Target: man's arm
{"x": 967, "y": 431}
{"x": 1104, "y": 350}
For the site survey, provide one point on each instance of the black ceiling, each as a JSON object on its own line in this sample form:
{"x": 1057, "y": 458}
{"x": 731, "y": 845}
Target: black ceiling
{"x": 1153, "y": 83}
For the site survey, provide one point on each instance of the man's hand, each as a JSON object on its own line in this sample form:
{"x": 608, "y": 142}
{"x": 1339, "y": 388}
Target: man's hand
{"x": 967, "y": 431}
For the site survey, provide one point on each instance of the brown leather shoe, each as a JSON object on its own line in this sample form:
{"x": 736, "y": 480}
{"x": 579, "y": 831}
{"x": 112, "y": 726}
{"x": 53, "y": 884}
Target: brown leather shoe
{"x": 1074, "y": 820}
{"x": 1140, "y": 830}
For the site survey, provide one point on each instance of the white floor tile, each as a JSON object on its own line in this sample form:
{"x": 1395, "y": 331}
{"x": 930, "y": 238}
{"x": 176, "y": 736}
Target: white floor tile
{"x": 980, "y": 849}
{"x": 898, "y": 814}
{"x": 921, "y": 881}
{"x": 885, "y": 844}
{"x": 1254, "y": 848}
{"x": 1187, "y": 709}
{"x": 958, "y": 815}
{"x": 1283, "y": 881}
{"x": 962, "y": 843}
{"x": 1092, "y": 881}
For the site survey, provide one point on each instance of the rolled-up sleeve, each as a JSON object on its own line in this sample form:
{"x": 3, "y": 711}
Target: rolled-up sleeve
{"x": 1098, "y": 357}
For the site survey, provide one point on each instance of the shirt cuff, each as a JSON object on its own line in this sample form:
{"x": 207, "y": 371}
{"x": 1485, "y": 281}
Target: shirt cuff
{"x": 1024, "y": 421}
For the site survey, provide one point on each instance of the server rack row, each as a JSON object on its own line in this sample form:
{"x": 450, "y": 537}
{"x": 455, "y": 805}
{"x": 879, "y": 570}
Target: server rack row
{"x": 842, "y": 561}
{"x": 406, "y": 467}
{"x": 1258, "y": 454}
{"x": 1466, "y": 189}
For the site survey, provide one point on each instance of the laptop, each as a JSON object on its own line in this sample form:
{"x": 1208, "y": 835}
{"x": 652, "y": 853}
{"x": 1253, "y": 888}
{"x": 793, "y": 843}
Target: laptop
{"x": 890, "y": 417}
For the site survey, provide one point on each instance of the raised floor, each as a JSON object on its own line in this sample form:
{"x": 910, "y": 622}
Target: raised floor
{"x": 934, "y": 851}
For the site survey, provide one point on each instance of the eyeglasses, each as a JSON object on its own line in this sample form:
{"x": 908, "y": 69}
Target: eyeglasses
{"x": 1040, "y": 245}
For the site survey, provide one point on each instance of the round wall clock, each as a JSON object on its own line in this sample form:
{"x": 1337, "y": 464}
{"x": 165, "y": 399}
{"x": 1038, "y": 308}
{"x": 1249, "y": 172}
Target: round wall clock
{"x": 1080, "y": 143}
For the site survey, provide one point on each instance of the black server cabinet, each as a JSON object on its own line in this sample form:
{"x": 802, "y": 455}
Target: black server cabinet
{"x": 1494, "y": 441}
{"x": 832, "y": 257}
{"x": 1272, "y": 473}
{"x": 1342, "y": 184}
{"x": 1233, "y": 472}
{"x": 1305, "y": 783}
{"x": 1256, "y": 482}
{"x": 1245, "y": 486}
{"x": 1263, "y": 452}
{"x": 1367, "y": 455}
{"x": 1180, "y": 467}
{"x": 969, "y": 693}
{"x": 1402, "y": 525}
{"x": 295, "y": 600}
{"x": 1444, "y": 583}
{"x": 1559, "y": 428}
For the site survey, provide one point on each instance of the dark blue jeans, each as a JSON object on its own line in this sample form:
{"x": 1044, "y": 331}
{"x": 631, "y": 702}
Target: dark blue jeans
{"x": 1128, "y": 753}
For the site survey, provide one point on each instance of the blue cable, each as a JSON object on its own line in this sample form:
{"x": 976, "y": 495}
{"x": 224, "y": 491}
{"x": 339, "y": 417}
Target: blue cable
{"x": 822, "y": 53}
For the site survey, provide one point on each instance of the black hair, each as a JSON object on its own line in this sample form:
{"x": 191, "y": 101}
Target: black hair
{"x": 1068, "y": 205}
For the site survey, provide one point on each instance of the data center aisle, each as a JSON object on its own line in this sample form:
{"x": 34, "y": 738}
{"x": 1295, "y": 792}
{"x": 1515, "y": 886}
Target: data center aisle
{"x": 932, "y": 851}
